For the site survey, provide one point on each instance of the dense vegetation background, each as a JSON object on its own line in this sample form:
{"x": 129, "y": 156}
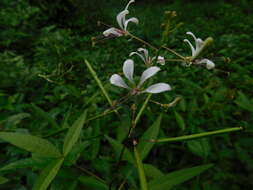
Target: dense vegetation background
{"x": 43, "y": 45}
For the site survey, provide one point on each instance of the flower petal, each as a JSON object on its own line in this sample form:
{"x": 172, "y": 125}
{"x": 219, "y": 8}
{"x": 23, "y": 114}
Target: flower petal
{"x": 147, "y": 74}
{"x": 160, "y": 60}
{"x": 118, "y": 81}
{"x": 192, "y": 48}
{"x": 199, "y": 44}
{"x": 112, "y": 31}
{"x": 141, "y": 56}
{"x": 209, "y": 63}
{"x": 158, "y": 88}
{"x": 133, "y": 19}
{"x": 145, "y": 51}
{"x": 121, "y": 18}
{"x": 131, "y": 1}
{"x": 128, "y": 69}
{"x": 191, "y": 34}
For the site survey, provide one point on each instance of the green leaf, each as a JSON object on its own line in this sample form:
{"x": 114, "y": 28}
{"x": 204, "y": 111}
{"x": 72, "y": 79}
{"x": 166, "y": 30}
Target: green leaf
{"x": 45, "y": 116}
{"x": 244, "y": 102}
{"x": 48, "y": 174}
{"x": 118, "y": 147}
{"x": 74, "y": 133}
{"x": 92, "y": 183}
{"x": 141, "y": 172}
{"x": 31, "y": 143}
{"x": 180, "y": 120}
{"x": 177, "y": 177}
{"x": 15, "y": 119}
{"x": 144, "y": 146}
{"x": 95, "y": 145}
{"x": 199, "y": 147}
{"x": 124, "y": 126}
{"x": 152, "y": 172}
{"x": 24, "y": 163}
{"x": 3, "y": 180}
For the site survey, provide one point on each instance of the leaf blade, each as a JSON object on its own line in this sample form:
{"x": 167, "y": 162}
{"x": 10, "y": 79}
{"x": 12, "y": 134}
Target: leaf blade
{"x": 74, "y": 133}
{"x": 31, "y": 143}
{"x": 48, "y": 174}
{"x": 177, "y": 177}
{"x": 151, "y": 133}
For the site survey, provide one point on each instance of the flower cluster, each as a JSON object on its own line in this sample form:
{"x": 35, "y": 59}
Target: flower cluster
{"x": 199, "y": 46}
{"x": 128, "y": 67}
{"x": 122, "y": 22}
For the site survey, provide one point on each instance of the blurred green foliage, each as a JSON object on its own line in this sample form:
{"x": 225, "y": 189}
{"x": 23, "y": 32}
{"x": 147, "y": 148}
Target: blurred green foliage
{"x": 43, "y": 45}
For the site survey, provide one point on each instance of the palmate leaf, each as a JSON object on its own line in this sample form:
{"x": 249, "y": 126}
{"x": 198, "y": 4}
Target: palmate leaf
{"x": 74, "y": 133}
{"x": 48, "y": 174}
{"x": 178, "y": 177}
{"x": 144, "y": 146}
{"x": 31, "y": 143}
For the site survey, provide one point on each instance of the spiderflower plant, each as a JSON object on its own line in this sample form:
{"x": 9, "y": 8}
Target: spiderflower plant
{"x": 199, "y": 46}
{"x": 122, "y": 22}
{"x": 128, "y": 70}
{"x": 143, "y": 54}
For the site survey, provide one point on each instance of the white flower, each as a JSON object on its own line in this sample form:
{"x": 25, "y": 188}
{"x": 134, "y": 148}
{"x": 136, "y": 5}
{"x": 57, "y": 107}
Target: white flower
{"x": 122, "y": 22}
{"x": 143, "y": 54}
{"x": 199, "y": 45}
{"x": 128, "y": 70}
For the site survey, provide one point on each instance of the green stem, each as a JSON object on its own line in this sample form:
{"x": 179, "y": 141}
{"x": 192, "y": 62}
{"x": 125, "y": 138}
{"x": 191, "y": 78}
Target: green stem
{"x": 196, "y": 136}
{"x": 94, "y": 74}
{"x": 172, "y": 51}
{"x": 153, "y": 47}
{"x": 142, "y": 176}
{"x": 142, "y": 109}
